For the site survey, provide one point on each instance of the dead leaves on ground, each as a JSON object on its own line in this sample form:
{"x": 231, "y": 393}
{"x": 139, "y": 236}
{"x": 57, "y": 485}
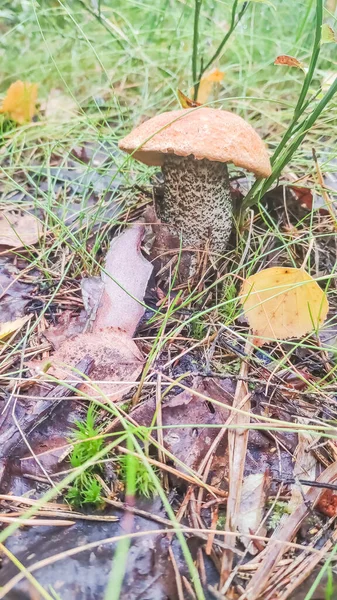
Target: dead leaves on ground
{"x": 328, "y": 35}
{"x": 14, "y": 294}
{"x": 20, "y": 104}
{"x": 19, "y": 229}
{"x": 281, "y": 303}
{"x": 125, "y": 278}
{"x": 254, "y": 493}
{"x": 207, "y": 85}
{"x": 6, "y": 329}
{"x": 114, "y": 316}
{"x": 186, "y": 102}
{"x": 117, "y": 359}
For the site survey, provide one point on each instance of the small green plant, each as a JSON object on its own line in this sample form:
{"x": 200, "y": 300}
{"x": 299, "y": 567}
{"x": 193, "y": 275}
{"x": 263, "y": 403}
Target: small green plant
{"x": 221, "y": 522}
{"x": 279, "y": 509}
{"x": 86, "y": 489}
{"x": 198, "y": 329}
{"x": 229, "y": 311}
{"x": 143, "y": 483}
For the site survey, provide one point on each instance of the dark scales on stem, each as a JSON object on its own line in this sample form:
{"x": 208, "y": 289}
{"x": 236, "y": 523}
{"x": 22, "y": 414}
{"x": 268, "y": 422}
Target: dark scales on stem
{"x": 197, "y": 201}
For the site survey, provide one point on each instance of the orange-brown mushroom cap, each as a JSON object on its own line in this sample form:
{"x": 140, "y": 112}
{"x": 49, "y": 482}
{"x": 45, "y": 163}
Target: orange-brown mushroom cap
{"x": 217, "y": 135}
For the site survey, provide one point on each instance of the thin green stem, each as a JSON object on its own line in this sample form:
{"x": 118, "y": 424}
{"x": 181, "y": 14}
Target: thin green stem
{"x": 233, "y": 25}
{"x": 198, "y": 4}
{"x": 235, "y": 20}
{"x": 300, "y": 107}
{"x": 117, "y": 573}
{"x": 259, "y": 188}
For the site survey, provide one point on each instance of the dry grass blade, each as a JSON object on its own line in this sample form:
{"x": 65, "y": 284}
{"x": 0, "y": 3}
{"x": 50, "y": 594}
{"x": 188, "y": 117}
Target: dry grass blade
{"x": 285, "y": 532}
{"x": 36, "y": 522}
{"x": 237, "y": 444}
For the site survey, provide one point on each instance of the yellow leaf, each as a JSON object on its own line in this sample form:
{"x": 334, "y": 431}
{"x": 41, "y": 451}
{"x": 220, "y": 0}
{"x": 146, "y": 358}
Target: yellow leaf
{"x": 206, "y": 85}
{"x": 283, "y": 302}
{"x": 19, "y": 102}
{"x": 10, "y": 327}
{"x": 186, "y": 102}
{"x": 328, "y": 34}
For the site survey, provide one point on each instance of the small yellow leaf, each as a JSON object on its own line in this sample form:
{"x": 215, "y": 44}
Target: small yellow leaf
{"x": 207, "y": 83}
{"x": 283, "y": 302}
{"x": 10, "y": 327}
{"x": 328, "y": 34}
{"x": 289, "y": 61}
{"x": 185, "y": 101}
{"x": 20, "y": 102}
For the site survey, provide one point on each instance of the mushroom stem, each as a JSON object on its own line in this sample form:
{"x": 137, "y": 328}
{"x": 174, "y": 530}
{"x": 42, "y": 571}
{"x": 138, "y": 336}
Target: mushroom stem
{"x": 197, "y": 201}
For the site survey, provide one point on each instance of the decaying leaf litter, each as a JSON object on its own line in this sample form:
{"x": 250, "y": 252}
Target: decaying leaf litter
{"x": 191, "y": 353}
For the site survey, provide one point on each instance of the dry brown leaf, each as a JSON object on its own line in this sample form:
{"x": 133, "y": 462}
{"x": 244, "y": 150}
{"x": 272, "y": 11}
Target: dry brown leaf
{"x": 188, "y": 408}
{"x": 328, "y": 503}
{"x": 253, "y": 498}
{"x": 10, "y": 327}
{"x": 19, "y": 103}
{"x": 14, "y": 295}
{"x": 125, "y": 279}
{"x": 305, "y": 464}
{"x": 19, "y": 229}
{"x": 281, "y": 303}
{"x": 207, "y": 83}
{"x": 289, "y": 61}
{"x": 116, "y": 356}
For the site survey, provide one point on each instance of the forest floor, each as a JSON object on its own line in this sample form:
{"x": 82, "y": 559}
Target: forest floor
{"x": 94, "y": 474}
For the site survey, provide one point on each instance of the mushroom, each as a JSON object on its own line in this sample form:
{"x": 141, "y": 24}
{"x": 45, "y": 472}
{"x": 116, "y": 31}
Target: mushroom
{"x": 193, "y": 148}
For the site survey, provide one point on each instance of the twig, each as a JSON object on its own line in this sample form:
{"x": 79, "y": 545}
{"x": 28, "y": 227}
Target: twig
{"x": 180, "y": 590}
{"x": 163, "y": 521}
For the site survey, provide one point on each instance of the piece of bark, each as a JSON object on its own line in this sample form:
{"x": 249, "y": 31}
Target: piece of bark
{"x": 237, "y": 444}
